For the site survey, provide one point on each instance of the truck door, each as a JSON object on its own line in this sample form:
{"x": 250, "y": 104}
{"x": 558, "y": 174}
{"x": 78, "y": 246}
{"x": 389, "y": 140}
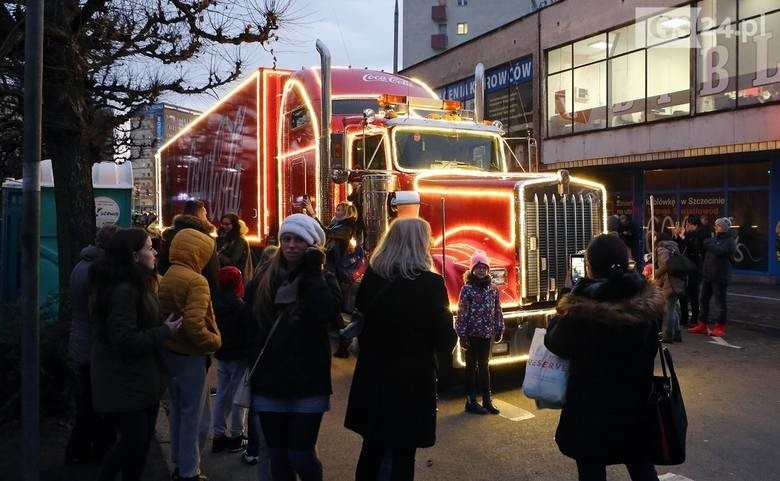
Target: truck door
{"x": 295, "y": 186}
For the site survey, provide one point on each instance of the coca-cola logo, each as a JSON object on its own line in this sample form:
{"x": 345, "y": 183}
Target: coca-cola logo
{"x": 369, "y": 77}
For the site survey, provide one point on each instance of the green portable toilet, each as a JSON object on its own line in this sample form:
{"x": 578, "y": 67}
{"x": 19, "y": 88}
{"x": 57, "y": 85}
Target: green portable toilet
{"x": 113, "y": 185}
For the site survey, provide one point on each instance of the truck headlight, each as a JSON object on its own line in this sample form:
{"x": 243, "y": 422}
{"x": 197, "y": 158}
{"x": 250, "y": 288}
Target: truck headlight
{"x": 498, "y": 275}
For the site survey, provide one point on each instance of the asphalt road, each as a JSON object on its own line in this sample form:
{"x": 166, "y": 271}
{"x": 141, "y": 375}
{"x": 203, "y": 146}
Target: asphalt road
{"x": 732, "y": 402}
{"x": 731, "y": 393}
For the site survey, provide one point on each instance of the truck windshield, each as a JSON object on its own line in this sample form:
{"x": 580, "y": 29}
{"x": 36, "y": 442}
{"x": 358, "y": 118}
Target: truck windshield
{"x": 447, "y": 150}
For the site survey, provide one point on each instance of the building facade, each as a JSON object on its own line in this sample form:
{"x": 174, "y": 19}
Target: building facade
{"x": 154, "y": 125}
{"x": 433, "y": 26}
{"x": 678, "y": 103}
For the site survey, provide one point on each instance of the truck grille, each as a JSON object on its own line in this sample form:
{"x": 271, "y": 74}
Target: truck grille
{"x": 556, "y": 226}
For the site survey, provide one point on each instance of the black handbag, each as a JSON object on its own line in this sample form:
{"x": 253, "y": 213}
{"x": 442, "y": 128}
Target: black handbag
{"x": 668, "y": 422}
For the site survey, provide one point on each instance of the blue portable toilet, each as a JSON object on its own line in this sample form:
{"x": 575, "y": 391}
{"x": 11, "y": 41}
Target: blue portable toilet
{"x": 113, "y": 185}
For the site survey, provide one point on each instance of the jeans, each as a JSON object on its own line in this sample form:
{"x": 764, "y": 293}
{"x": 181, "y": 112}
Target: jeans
{"x": 598, "y": 472}
{"x": 135, "y": 429}
{"x": 671, "y": 324}
{"x": 189, "y": 399}
{"x": 707, "y": 288}
{"x": 229, "y": 375}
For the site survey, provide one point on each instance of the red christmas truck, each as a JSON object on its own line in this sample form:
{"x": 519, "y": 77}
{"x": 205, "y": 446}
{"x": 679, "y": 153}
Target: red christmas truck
{"x": 282, "y": 135}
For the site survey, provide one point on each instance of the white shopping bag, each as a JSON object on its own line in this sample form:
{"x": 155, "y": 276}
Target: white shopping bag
{"x": 546, "y": 374}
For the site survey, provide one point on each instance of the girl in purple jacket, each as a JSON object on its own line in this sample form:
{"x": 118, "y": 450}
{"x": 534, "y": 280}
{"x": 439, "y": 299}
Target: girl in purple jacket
{"x": 479, "y": 322}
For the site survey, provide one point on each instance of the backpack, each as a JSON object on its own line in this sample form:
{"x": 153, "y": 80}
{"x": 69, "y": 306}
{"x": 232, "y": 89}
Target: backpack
{"x": 679, "y": 265}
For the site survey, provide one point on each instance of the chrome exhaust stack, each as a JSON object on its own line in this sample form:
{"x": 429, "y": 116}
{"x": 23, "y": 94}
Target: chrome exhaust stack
{"x": 325, "y": 208}
{"x": 479, "y": 93}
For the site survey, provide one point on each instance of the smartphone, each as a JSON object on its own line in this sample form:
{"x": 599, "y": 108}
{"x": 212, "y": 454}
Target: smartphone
{"x": 577, "y": 267}
{"x": 301, "y": 198}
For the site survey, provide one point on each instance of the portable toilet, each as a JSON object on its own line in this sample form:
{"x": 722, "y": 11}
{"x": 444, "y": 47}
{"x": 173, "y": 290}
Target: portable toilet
{"x": 113, "y": 186}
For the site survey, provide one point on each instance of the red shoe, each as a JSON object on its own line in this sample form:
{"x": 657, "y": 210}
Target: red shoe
{"x": 719, "y": 331}
{"x": 699, "y": 328}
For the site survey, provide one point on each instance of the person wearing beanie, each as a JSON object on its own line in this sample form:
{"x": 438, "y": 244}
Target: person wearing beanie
{"x": 233, "y": 323}
{"x": 716, "y": 273}
{"x": 293, "y": 302}
{"x": 479, "y": 322}
{"x": 607, "y": 327}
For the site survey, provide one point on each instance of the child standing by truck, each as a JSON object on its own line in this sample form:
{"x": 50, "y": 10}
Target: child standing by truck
{"x": 479, "y": 322}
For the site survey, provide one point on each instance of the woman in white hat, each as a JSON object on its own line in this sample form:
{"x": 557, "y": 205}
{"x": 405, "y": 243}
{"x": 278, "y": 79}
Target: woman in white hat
{"x": 293, "y": 302}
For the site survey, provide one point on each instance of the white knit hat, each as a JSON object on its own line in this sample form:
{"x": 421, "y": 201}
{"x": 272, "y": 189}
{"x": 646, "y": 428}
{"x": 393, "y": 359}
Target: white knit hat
{"x": 304, "y": 227}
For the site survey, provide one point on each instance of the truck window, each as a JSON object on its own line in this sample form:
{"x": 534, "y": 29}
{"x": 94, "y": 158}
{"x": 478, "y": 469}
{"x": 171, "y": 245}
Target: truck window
{"x": 354, "y": 106}
{"x": 369, "y": 152}
{"x": 461, "y": 150}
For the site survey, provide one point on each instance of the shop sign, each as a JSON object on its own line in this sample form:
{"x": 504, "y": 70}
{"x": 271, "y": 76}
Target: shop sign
{"x": 515, "y": 72}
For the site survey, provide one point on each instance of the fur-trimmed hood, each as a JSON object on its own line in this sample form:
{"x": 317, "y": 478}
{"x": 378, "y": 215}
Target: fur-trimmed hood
{"x": 626, "y": 299}
{"x": 185, "y": 221}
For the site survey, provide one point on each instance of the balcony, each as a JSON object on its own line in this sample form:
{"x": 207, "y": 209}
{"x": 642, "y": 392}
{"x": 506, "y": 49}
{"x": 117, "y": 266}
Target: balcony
{"x": 439, "y": 13}
{"x": 439, "y": 41}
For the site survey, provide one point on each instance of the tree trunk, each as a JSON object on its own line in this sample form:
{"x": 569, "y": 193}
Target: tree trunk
{"x": 75, "y": 201}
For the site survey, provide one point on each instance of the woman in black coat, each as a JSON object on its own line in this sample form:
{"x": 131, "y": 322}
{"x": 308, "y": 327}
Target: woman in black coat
{"x": 608, "y": 328}
{"x": 392, "y": 402}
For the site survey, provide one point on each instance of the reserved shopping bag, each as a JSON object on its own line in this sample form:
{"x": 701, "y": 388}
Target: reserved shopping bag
{"x": 546, "y": 375}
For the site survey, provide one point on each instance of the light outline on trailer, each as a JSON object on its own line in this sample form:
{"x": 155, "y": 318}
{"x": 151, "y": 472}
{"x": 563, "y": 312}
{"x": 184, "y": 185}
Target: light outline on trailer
{"x": 289, "y": 86}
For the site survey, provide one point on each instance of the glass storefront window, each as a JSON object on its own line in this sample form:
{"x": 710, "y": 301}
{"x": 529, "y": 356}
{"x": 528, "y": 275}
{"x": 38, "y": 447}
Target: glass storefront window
{"x": 627, "y": 39}
{"x": 668, "y": 80}
{"x": 590, "y": 97}
{"x": 749, "y": 212}
{"x": 590, "y": 50}
{"x": 559, "y": 59}
{"x": 750, "y": 8}
{"x": 701, "y": 177}
{"x": 627, "y": 89}
{"x": 669, "y": 25}
{"x": 712, "y": 13}
{"x": 707, "y": 205}
{"x": 661, "y": 179}
{"x": 560, "y": 104}
{"x": 748, "y": 175}
{"x": 716, "y": 82}
{"x": 759, "y": 57}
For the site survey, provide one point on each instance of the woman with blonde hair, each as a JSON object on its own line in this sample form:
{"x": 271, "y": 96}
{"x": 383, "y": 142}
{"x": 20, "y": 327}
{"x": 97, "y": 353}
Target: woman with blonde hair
{"x": 392, "y": 401}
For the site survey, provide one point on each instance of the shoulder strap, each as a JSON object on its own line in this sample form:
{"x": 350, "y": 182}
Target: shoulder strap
{"x": 265, "y": 344}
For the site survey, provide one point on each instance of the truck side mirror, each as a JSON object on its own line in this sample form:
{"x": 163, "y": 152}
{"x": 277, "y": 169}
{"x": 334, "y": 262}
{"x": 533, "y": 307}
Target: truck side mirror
{"x": 339, "y": 176}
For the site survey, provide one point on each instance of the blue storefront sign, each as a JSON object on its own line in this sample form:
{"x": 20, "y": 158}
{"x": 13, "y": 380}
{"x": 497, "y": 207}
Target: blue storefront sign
{"x": 504, "y": 76}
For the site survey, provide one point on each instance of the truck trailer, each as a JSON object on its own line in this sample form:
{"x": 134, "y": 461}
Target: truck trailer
{"x": 282, "y": 135}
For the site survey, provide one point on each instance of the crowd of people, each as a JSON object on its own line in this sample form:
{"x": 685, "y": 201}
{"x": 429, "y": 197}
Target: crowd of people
{"x": 146, "y": 326}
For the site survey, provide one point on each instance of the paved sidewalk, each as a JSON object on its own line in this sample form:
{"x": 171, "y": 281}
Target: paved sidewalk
{"x": 751, "y": 306}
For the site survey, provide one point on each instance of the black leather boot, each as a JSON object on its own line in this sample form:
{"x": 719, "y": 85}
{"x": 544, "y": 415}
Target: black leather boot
{"x": 487, "y": 404}
{"x": 473, "y": 407}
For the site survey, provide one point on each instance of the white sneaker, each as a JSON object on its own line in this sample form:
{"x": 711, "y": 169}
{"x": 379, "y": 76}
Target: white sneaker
{"x": 248, "y": 459}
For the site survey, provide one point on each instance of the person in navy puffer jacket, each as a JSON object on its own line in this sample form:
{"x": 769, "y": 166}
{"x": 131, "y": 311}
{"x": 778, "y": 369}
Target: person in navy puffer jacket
{"x": 479, "y": 322}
